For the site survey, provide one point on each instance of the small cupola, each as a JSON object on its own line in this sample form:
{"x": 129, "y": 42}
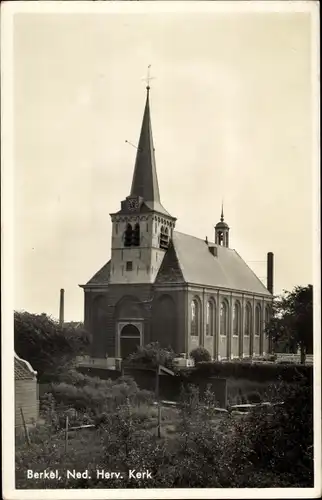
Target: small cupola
{"x": 222, "y": 231}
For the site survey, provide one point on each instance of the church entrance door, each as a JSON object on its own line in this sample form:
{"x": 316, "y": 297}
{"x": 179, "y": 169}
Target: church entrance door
{"x": 130, "y": 339}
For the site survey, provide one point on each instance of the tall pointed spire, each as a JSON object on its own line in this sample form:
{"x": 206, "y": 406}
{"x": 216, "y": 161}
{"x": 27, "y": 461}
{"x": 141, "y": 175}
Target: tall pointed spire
{"x": 222, "y": 212}
{"x": 145, "y": 181}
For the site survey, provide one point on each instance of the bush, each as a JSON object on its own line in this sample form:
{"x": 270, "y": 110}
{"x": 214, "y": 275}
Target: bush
{"x": 200, "y": 354}
{"x": 261, "y": 372}
{"x": 152, "y": 355}
{"x": 49, "y": 348}
{"x": 271, "y": 440}
{"x": 93, "y": 394}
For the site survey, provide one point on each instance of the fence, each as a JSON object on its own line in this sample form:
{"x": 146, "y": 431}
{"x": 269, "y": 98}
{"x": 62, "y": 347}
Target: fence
{"x": 295, "y": 358}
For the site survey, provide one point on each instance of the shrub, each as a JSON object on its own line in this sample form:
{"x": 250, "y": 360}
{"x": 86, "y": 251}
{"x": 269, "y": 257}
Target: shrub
{"x": 48, "y": 346}
{"x": 271, "y": 440}
{"x": 200, "y": 354}
{"x": 261, "y": 372}
{"x": 152, "y": 355}
{"x": 94, "y": 394}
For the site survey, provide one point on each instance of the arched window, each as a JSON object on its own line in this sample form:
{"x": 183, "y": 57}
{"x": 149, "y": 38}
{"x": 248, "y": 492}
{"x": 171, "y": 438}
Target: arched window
{"x": 248, "y": 319}
{"x": 267, "y": 316}
{"x": 210, "y": 318}
{"x": 258, "y": 319}
{"x": 224, "y": 318}
{"x": 128, "y": 236}
{"x": 195, "y": 318}
{"x": 136, "y": 235}
{"x": 236, "y": 318}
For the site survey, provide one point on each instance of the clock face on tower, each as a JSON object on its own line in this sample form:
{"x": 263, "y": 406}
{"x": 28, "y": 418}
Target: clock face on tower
{"x": 132, "y": 204}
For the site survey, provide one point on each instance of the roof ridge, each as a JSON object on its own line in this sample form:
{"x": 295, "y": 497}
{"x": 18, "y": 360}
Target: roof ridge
{"x": 25, "y": 363}
{"x": 251, "y": 270}
{"x": 212, "y": 243}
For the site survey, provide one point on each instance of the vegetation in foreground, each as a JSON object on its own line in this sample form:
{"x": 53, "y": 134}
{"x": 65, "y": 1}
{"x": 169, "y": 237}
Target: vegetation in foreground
{"x": 270, "y": 447}
{"x": 197, "y": 448}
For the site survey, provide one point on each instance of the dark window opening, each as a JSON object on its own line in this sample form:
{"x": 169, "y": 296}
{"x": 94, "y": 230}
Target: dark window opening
{"x": 136, "y": 236}
{"x": 128, "y": 236}
{"x": 129, "y": 266}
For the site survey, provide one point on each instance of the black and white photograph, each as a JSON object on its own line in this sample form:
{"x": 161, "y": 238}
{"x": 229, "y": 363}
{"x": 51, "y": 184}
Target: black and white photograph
{"x": 161, "y": 250}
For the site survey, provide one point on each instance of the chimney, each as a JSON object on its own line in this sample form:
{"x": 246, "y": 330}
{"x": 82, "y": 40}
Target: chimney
{"x": 270, "y": 272}
{"x": 61, "y": 307}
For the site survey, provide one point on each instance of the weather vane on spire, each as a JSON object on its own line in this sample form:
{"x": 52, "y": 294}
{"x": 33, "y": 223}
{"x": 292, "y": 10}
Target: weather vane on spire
{"x": 148, "y": 78}
{"x": 222, "y": 211}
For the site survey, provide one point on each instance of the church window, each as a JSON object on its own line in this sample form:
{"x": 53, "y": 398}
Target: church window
{"x": 195, "y": 318}
{"x": 147, "y": 227}
{"x": 248, "y": 319}
{"x": 128, "y": 236}
{"x": 258, "y": 319}
{"x": 116, "y": 228}
{"x": 136, "y": 235}
{"x": 210, "y": 319}
{"x": 164, "y": 237}
{"x": 155, "y": 227}
{"x": 129, "y": 266}
{"x": 267, "y": 316}
{"x": 223, "y": 318}
{"x": 236, "y": 318}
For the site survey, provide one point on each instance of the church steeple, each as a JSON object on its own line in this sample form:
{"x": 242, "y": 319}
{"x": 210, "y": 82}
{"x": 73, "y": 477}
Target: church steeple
{"x": 142, "y": 229}
{"x": 145, "y": 180}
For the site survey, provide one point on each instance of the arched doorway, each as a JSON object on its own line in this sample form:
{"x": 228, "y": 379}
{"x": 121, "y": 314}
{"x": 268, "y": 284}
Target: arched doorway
{"x": 130, "y": 339}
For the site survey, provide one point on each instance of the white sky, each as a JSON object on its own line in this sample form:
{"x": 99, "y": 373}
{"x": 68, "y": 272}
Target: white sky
{"x": 231, "y": 116}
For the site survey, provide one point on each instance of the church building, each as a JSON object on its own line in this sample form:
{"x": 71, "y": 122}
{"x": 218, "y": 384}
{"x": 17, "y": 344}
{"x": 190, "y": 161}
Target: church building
{"x": 166, "y": 286}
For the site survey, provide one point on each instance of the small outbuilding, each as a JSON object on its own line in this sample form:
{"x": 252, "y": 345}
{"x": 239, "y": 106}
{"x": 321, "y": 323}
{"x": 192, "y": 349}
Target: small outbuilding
{"x": 26, "y": 392}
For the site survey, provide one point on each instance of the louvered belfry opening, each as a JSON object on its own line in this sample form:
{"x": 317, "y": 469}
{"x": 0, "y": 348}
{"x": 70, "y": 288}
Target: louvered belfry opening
{"x": 164, "y": 237}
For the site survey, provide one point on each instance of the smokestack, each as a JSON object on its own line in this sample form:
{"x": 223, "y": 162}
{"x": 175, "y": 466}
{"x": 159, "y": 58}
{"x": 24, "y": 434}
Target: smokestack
{"x": 270, "y": 272}
{"x": 61, "y": 307}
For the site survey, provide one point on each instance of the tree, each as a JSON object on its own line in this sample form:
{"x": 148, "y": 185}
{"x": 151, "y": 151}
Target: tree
{"x": 152, "y": 355}
{"x": 45, "y": 344}
{"x": 292, "y": 320}
{"x": 200, "y": 354}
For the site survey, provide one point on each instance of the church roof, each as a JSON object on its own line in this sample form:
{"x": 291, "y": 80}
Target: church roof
{"x": 23, "y": 369}
{"x": 189, "y": 260}
{"x": 102, "y": 276}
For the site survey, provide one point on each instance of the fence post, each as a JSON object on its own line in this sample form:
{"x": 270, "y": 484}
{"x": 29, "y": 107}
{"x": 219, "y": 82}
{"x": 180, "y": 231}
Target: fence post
{"x": 25, "y": 427}
{"x": 66, "y": 434}
{"x": 159, "y": 419}
{"x": 157, "y": 397}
